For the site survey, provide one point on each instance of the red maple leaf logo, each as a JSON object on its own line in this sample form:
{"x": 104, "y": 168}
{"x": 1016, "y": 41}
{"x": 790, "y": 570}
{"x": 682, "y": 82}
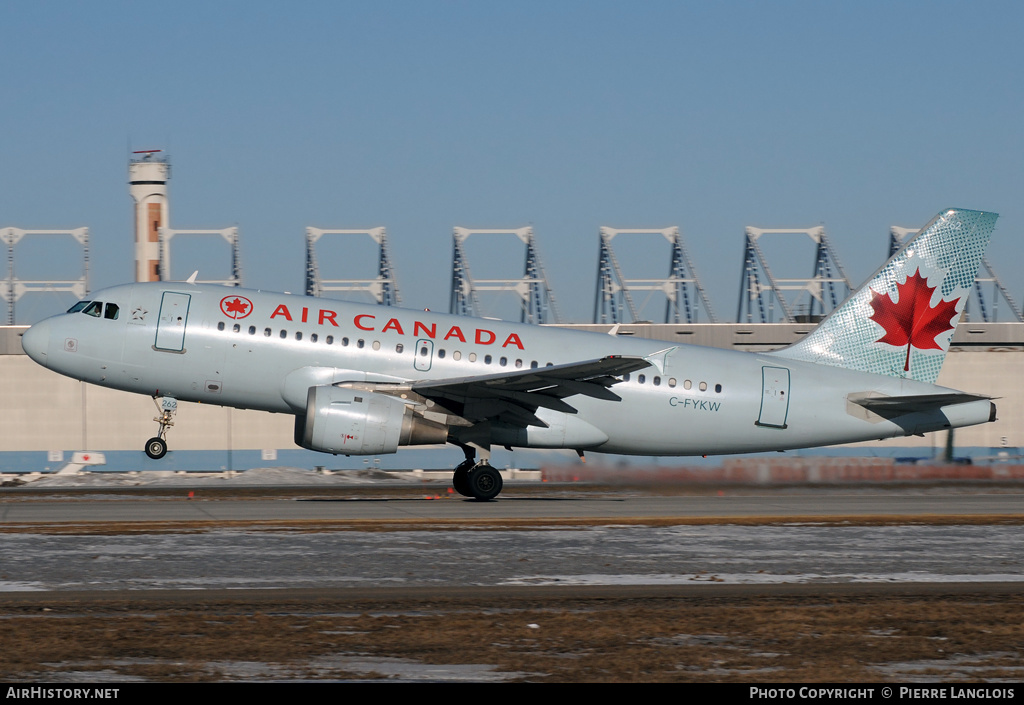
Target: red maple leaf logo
{"x": 236, "y": 306}
{"x": 912, "y": 321}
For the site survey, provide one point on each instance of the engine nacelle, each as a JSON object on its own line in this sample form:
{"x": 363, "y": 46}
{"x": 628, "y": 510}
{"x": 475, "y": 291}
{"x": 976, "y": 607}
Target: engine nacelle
{"x": 350, "y": 422}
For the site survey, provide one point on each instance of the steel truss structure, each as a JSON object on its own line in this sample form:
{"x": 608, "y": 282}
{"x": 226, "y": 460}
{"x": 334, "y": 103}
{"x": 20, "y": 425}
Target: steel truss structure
{"x": 383, "y": 289}
{"x": 228, "y": 234}
{"x": 761, "y": 292}
{"x": 684, "y": 294}
{"x": 537, "y": 300}
{"x": 13, "y": 288}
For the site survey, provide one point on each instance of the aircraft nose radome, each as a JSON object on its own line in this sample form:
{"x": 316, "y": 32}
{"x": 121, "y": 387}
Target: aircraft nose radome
{"x": 36, "y": 340}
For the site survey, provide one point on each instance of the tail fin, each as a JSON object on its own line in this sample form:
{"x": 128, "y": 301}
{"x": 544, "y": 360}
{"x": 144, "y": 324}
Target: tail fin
{"x": 900, "y": 323}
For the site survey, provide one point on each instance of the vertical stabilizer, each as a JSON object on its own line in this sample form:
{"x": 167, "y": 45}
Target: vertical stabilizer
{"x": 901, "y": 322}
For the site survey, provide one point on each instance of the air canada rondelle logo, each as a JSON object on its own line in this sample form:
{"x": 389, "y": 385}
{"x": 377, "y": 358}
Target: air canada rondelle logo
{"x": 236, "y": 306}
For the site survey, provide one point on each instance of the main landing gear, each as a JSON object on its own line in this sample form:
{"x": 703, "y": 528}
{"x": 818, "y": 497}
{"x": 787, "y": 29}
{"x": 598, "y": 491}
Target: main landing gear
{"x": 156, "y": 447}
{"x": 476, "y": 479}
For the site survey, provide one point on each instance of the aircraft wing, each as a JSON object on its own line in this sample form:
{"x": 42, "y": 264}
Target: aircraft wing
{"x": 514, "y": 397}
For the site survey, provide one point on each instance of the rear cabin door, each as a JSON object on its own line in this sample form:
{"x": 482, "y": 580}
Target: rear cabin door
{"x": 774, "y": 397}
{"x": 170, "y": 327}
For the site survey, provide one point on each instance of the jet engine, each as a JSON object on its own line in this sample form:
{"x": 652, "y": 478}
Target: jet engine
{"x": 352, "y": 422}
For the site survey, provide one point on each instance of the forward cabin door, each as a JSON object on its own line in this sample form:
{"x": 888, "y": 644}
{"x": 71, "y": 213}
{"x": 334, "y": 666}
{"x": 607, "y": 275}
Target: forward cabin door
{"x": 774, "y": 397}
{"x": 170, "y": 327}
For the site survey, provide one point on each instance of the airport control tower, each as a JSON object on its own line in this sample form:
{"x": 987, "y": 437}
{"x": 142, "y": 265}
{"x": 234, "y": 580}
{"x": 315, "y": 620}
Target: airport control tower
{"x": 148, "y": 173}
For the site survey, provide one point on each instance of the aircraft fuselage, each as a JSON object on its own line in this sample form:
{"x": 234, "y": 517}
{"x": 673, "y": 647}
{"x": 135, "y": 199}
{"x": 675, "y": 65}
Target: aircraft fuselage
{"x": 261, "y": 350}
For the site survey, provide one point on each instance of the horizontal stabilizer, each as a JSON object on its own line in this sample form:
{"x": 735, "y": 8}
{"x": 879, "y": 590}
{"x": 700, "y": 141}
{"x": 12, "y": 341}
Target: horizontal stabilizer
{"x": 897, "y": 406}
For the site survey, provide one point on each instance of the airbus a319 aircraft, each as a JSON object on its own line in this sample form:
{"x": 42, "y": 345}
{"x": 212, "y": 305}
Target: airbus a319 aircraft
{"x": 365, "y": 380}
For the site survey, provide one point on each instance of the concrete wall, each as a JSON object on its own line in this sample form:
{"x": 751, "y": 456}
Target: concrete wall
{"x": 45, "y": 411}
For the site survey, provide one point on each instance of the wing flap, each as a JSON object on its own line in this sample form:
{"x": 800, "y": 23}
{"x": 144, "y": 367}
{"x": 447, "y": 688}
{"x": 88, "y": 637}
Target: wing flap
{"x": 538, "y": 399}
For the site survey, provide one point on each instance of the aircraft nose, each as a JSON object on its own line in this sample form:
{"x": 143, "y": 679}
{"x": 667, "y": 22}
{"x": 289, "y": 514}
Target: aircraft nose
{"x": 36, "y": 341}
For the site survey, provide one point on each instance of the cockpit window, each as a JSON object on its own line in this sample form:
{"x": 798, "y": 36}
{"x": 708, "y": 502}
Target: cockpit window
{"x": 94, "y": 309}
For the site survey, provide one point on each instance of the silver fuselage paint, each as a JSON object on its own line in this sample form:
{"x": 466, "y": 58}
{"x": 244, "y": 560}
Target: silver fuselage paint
{"x": 180, "y": 340}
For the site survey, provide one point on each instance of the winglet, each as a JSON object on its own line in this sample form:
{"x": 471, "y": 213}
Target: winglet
{"x": 657, "y": 359}
{"x": 192, "y": 279}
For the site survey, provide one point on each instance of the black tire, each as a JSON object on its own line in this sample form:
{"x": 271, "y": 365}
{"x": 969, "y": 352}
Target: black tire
{"x": 156, "y": 448}
{"x": 460, "y": 480}
{"x": 484, "y": 483}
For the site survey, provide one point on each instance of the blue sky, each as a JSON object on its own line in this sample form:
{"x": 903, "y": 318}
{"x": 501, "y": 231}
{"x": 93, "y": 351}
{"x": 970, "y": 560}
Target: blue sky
{"x": 422, "y": 116}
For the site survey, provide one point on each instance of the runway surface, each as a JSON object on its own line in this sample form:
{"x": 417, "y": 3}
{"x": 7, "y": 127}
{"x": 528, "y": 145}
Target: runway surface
{"x": 407, "y": 537}
{"x": 436, "y": 503}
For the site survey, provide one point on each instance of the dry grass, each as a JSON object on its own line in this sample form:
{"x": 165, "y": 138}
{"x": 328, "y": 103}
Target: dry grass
{"x": 865, "y": 636}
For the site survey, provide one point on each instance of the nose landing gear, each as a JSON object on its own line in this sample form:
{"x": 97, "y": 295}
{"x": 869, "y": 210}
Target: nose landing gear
{"x": 156, "y": 447}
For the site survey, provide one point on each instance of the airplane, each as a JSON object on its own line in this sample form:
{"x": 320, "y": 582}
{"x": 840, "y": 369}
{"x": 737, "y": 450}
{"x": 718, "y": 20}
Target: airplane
{"x": 365, "y": 379}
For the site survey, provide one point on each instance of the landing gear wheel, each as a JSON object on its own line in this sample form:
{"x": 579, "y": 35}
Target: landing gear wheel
{"x": 156, "y": 448}
{"x": 484, "y": 482}
{"x": 460, "y": 480}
